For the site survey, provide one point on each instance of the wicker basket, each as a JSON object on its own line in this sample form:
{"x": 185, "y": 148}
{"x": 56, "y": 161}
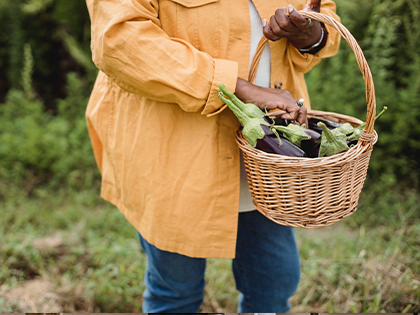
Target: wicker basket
{"x": 305, "y": 192}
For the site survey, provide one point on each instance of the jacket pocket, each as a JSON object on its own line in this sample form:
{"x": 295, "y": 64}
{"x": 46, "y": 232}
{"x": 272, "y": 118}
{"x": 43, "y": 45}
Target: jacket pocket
{"x": 193, "y": 3}
{"x": 195, "y": 21}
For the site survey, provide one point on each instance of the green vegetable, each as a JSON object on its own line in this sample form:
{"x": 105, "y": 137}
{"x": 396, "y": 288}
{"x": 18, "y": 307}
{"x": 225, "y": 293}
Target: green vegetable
{"x": 295, "y": 133}
{"x": 252, "y": 129}
{"x": 346, "y": 128}
{"x": 332, "y": 141}
{"x": 357, "y": 132}
{"x": 249, "y": 109}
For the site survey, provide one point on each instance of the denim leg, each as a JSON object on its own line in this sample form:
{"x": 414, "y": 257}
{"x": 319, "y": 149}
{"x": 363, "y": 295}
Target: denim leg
{"x": 266, "y": 266}
{"x": 174, "y": 283}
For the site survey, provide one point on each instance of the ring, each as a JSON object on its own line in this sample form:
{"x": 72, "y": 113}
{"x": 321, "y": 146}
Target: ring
{"x": 310, "y": 21}
{"x": 299, "y": 102}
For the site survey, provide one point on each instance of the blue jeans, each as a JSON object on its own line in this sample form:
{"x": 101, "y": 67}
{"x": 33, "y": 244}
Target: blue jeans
{"x": 266, "y": 270}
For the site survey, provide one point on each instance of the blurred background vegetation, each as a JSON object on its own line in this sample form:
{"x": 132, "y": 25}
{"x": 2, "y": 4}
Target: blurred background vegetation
{"x": 49, "y": 182}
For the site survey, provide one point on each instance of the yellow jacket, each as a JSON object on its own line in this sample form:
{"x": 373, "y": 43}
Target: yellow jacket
{"x": 171, "y": 170}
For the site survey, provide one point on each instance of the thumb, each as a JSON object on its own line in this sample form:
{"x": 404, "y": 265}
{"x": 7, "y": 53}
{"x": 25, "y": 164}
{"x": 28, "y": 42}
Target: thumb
{"x": 314, "y": 5}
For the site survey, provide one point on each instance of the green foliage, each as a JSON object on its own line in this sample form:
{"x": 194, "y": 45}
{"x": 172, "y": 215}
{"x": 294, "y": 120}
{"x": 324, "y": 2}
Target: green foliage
{"x": 28, "y": 136}
{"x": 95, "y": 264}
{"x": 359, "y": 269}
{"x": 36, "y": 6}
{"x": 27, "y": 72}
{"x": 95, "y": 254}
{"x": 38, "y": 147}
{"x": 58, "y": 32}
{"x": 79, "y": 55}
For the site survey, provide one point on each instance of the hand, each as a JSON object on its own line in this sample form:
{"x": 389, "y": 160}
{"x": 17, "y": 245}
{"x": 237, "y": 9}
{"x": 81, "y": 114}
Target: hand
{"x": 294, "y": 26}
{"x": 266, "y": 98}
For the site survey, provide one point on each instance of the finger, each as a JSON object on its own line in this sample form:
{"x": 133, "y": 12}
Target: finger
{"x": 275, "y": 27}
{"x": 300, "y": 115}
{"x": 283, "y": 20}
{"x": 287, "y": 116}
{"x": 297, "y": 19}
{"x": 291, "y": 114}
{"x": 302, "y": 118}
{"x": 268, "y": 32}
{"x": 275, "y": 30}
{"x": 316, "y": 5}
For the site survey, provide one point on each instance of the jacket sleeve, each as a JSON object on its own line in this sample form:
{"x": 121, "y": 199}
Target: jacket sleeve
{"x": 305, "y": 62}
{"x": 130, "y": 47}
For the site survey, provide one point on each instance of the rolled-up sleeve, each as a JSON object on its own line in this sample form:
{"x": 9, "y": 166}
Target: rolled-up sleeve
{"x": 305, "y": 62}
{"x": 130, "y": 47}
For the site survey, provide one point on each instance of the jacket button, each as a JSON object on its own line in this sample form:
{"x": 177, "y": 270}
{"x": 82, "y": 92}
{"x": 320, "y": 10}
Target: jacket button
{"x": 278, "y": 84}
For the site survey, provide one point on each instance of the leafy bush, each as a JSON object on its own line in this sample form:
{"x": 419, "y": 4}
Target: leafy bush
{"x": 38, "y": 147}
{"x": 48, "y": 76}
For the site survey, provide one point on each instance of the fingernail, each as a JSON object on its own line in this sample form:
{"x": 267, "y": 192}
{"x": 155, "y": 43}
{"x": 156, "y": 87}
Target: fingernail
{"x": 291, "y": 8}
{"x": 264, "y": 22}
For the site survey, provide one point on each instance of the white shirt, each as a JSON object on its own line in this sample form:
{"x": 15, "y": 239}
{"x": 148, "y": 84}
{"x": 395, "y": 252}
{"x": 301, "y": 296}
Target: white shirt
{"x": 262, "y": 79}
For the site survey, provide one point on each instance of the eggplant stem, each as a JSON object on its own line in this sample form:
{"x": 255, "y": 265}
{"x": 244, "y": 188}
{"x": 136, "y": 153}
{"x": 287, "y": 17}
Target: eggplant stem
{"x": 249, "y": 109}
{"x": 243, "y": 119}
{"x": 326, "y": 132}
{"x": 273, "y": 130}
{"x": 232, "y": 96}
{"x": 381, "y": 113}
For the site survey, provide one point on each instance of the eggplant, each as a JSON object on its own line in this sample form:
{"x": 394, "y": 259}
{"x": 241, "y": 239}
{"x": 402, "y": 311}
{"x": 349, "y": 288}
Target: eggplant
{"x": 315, "y": 152}
{"x": 295, "y": 133}
{"x": 271, "y": 144}
{"x": 277, "y": 121}
{"x": 311, "y": 146}
{"x": 258, "y": 133}
{"x": 345, "y": 128}
{"x": 351, "y": 143}
{"x": 299, "y": 135}
{"x": 313, "y": 124}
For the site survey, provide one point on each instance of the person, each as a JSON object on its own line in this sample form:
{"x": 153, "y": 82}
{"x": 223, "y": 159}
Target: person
{"x": 166, "y": 147}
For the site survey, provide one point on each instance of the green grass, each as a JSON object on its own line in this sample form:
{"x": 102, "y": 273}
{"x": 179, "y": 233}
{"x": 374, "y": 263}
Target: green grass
{"x": 97, "y": 263}
{"x": 89, "y": 254}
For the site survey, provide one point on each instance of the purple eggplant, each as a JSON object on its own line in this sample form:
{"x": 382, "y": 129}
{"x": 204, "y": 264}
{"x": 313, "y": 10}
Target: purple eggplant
{"x": 277, "y": 121}
{"x": 271, "y": 144}
{"x": 345, "y": 128}
{"x": 311, "y": 146}
{"x": 258, "y": 134}
{"x": 313, "y": 124}
{"x": 300, "y": 136}
{"x": 351, "y": 143}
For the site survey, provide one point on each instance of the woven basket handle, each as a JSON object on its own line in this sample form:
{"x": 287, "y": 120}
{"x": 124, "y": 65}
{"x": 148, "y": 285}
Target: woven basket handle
{"x": 364, "y": 68}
